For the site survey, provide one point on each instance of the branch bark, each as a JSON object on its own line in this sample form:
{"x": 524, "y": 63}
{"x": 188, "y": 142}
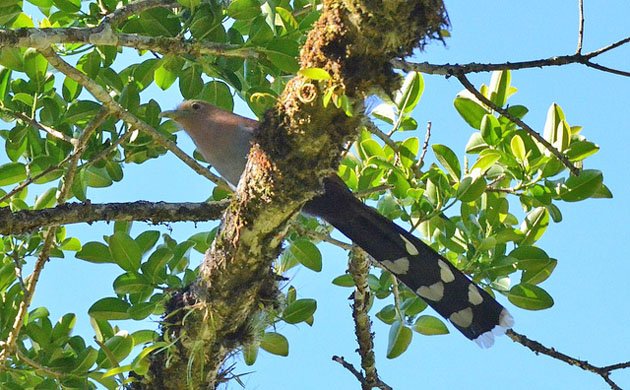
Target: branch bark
{"x": 538, "y": 348}
{"x": 26, "y": 221}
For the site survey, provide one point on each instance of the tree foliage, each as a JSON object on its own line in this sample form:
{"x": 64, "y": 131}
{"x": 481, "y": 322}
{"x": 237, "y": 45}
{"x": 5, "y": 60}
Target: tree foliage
{"x": 484, "y": 208}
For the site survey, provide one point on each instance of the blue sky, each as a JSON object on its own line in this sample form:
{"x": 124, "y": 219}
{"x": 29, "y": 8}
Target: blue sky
{"x": 590, "y": 285}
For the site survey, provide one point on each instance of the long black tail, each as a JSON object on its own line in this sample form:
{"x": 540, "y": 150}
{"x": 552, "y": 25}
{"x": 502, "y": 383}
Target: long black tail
{"x": 446, "y": 289}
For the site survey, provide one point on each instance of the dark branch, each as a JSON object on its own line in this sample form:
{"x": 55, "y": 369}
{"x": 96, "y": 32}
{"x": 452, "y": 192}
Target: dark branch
{"x": 357, "y": 374}
{"x": 474, "y": 67}
{"x": 537, "y": 348}
{"x": 20, "y": 222}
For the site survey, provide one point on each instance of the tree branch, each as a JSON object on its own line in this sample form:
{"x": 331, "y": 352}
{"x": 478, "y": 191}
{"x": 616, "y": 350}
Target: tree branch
{"x": 357, "y": 374}
{"x": 537, "y": 348}
{"x": 25, "y": 221}
{"x": 580, "y": 27}
{"x": 359, "y": 267}
{"x": 474, "y": 67}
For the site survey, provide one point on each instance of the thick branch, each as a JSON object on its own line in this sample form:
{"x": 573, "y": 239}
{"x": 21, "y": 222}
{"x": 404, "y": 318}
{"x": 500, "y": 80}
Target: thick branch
{"x": 25, "y": 221}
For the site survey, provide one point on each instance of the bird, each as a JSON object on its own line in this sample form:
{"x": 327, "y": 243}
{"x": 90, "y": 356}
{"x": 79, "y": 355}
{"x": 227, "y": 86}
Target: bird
{"x": 224, "y": 139}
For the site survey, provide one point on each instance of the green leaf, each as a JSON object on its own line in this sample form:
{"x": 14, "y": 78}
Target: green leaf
{"x": 163, "y": 77}
{"x": 344, "y": 280}
{"x": 470, "y": 109}
{"x": 581, "y": 187}
{"x": 129, "y": 283}
{"x": 35, "y": 66}
{"x": 470, "y": 188}
{"x": 486, "y": 159}
{"x": 490, "y": 129}
{"x": 142, "y": 310}
{"x": 369, "y": 148}
{"x": 217, "y": 93}
{"x": 125, "y": 251}
{"x": 85, "y": 360}
{"x": 118, "y": 348}
{"x": 476, "y": 143}
{"x": 555, "y": 116}
{"x": 410, "y": 92}
{"x": 250, "y": 353}
{"x": 315, "y": 73}
{"x": 518, "y": 149}
{"x": 530, "y": 297}
{"x": 96, "y": 177}
{"x": 387, "y": 314}
{"x": 202, "y": 240}
{"x": 299, "y": 310}
{"x": 537, "y": 276}
{"x": 430, "y": 326}
{"x": 69, "y": 6}
{"x": 243, "y": 9}
{"x": 155, "y": 266}
{"x": 159, "y": 22}
{"x": 306, "y": 253}
{"x": 12, "y": 173}
{"x": 448, "y": 159}
{"x": 147, "y": 239}
{"x": 95, "y": 252}
{"x": 71, "y": 244}
{"x": 579, "y": 150}
{"x": 275, "y": 343}
{"x": 602, "y": 193}
{"x": 534, "y": 225}
{"x": 283, "y": 54}
{"x": 46, "y": 200}
{"x": 409, "y": 151}
{"x": 109, "y": 309}
{"x": 529, "y": 257}
{"x": 500, "y": 87}
{"x": 190, "y": 82}
{"x": 399, "y": 338}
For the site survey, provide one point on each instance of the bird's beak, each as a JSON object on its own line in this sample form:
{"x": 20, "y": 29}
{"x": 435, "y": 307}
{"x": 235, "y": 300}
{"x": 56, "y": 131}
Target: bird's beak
{"x": 171, "y": 114}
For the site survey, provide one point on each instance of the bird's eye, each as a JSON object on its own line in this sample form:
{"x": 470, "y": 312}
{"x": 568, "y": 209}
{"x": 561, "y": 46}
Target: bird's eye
{"x": 196, "y": 106}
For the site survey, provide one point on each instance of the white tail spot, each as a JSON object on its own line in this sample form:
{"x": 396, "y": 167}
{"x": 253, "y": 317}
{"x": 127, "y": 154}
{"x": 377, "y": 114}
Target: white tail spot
{"x": 462, "y": 318}
{"x": 411, "y": 249}
{"x": 434, "y": 292}
{"x": 474, "y": 296}
{"x": 445, "y": 272}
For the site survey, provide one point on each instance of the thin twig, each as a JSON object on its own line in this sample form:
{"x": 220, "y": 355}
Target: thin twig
{"x": 425, "y": 146}
{"x": 31, "y": 179}
{"x": 580, "y": 27}
{"x": 38, "y": 367}
{"x": 372, "y": 128}
{"x": 37, "y": 125}
{"x": 537, "y": 348}
{"x": 603, "y": 68}
{"x": 468, "y": 85}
